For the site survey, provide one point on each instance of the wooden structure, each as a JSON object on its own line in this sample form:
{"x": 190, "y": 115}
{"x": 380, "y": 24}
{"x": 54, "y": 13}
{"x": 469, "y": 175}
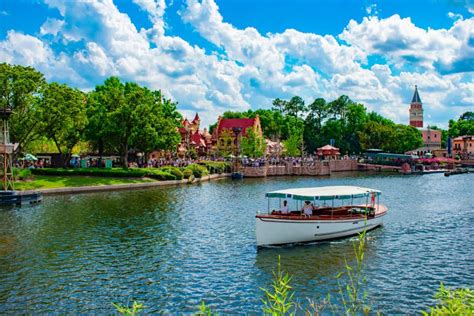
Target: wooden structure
{"x": 6, "y": 151}
{"x": 328, "y": 152}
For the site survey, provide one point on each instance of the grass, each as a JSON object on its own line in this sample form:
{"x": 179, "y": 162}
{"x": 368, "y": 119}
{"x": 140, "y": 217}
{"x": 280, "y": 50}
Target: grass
{"x": 52, "y": 182}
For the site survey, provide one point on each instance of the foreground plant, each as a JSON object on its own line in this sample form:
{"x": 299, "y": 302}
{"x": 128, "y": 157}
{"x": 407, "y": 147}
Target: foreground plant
{"x": 136, "y": 309}
{"x": 452, "y": 302}
{"x": 351, "y": 297}
{"x": 279, "y": 299}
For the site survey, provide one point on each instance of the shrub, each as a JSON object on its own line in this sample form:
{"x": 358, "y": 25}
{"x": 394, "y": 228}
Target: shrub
{"x": 198, "y": 170}
{"x": 452, "y": 302}
{"x": 160, "y": 175}
{"x": 187, "y": 173}
{"x": 216, "y": 166}
{"x": 97, "y": 172}
{"x": 21, "y": 174}
{"x": 174, "y": 171}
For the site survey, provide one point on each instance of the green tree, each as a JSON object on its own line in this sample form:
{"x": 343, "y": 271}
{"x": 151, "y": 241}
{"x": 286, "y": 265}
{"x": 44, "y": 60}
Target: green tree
{"x": 405, "y": 138}
{"x": 295, "y": 107}
{"x": 376, "y": 135}
{"x": 253, "y": 145}
{"x": 127, "y": 115}
{"x": 463, "y": 126}
{"x": 293, "y": 145}
{"x": 279, "y": 105}
{"x": 63, "y": 116}
{"x": 156, "y": 122}
{"x": 338, "y": 107}
{"x": 20, "y": 90}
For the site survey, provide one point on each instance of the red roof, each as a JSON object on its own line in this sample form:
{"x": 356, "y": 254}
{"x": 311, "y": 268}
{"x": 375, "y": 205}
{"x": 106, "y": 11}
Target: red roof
{"x": 197, "y": 139}
{"x": 185, "y": 122}
{"x": 328, "y": 147}
{"x": 328, "y": 150}
{"x": 196, "y": 118}
{"x": 243, "y": 123}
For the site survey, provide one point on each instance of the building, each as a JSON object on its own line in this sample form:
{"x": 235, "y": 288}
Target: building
{"x": 224, "y": 135}
{"x": 463, "y": 145}
{"x": 431, "y": 137}
{"x": 416, "y": 110}
{"x": 194, "y": 138}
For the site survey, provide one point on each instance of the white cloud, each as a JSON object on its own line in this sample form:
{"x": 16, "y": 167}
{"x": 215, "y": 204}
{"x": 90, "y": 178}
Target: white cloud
{"x": 51, "y": 26}
{"x": 250, "y": 69}
{"x": 403, "y": 43}
{"x": 454, "y": 16}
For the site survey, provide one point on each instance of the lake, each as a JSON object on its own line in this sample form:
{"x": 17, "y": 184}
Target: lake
{"x": 171, "y": 248}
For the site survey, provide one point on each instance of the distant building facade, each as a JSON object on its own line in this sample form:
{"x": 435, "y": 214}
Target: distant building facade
{"x": 224, "y": 138}
{"x": 463, "y": 145}
{"x": 194, "y": 138}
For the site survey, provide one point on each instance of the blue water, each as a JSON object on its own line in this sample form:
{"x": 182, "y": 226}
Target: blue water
{"x": 170, "y": 248}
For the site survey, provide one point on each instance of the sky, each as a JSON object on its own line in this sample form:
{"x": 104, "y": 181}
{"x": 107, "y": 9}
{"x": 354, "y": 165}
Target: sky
{"x": 213, "y": 56}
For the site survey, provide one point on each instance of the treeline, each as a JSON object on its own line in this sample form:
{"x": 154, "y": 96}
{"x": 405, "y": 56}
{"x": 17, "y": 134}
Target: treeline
{"x": 304, "y": 127}
{"x": 113, "y": 118}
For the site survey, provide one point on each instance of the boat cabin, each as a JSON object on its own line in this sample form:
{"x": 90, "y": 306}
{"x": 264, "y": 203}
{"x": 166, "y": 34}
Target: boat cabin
{"x": 334, "y": 202}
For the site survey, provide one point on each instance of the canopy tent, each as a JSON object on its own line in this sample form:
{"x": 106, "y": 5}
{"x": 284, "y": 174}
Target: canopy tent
{"x": 323, "y": 193}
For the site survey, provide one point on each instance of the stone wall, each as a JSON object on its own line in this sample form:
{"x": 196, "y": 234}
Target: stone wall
{"x": 319, "y": 168}
{"x": 342, "y": 165}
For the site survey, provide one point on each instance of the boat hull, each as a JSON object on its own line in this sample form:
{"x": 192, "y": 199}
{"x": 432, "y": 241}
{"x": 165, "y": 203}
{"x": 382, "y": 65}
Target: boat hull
{"x": 280, "y": 231}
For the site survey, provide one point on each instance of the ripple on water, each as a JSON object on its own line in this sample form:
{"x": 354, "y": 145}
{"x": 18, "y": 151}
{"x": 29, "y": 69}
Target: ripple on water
{"x": 171, "y": 248}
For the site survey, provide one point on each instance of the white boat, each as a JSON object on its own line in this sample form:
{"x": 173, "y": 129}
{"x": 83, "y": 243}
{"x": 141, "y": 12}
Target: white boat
{"x": 338, "y": 211}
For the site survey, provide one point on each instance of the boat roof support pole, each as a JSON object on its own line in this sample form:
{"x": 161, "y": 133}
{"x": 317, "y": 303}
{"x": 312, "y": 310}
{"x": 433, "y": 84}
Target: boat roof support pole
{"x": 332, "y": 208}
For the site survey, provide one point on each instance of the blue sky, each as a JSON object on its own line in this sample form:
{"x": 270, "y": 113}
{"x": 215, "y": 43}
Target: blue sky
{"x": 214, "y": 55}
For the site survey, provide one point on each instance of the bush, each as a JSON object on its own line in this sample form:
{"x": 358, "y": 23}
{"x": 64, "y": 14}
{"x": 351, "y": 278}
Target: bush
{"x": 161, "y": 175}
{"x": 21, "y": 174}
{"x": 97, "y": 172}
{"x": 198, "y": 170}
{"x": 452, "y": 302}
{"x": 174, "y": 171}
{"x": 216, "y": 166}
{"x": 187, "y": 173}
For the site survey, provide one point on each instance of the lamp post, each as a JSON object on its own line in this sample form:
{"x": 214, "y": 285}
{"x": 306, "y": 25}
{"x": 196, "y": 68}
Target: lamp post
{"x": 237, "y": 131}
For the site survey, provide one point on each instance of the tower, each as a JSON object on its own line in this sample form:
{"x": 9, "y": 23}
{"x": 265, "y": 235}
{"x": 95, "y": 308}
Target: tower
{"x": 416, "y": 110}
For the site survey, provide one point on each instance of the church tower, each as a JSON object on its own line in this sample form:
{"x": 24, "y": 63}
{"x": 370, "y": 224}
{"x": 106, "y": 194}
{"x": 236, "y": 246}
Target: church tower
{"x": 416, "y": 110}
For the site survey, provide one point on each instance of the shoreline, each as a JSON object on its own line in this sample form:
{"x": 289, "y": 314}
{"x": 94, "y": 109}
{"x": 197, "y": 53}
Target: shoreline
{"x": 124, "y": 186}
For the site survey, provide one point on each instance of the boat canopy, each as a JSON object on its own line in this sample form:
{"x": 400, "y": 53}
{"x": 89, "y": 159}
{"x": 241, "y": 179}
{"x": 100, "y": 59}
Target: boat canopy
{"x": 323, "y": 193}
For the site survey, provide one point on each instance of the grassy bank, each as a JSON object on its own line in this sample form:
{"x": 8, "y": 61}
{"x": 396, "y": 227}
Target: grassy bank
{"x": 53, "y": 178}
{"x": 52, "y": 182}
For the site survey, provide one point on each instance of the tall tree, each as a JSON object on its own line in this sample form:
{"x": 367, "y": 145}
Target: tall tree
{"x": 279, "y": 105}
{"x": 21, "y": 89}
{"x": 253, "y": 145}
{"x": 63, "y": 116}
{"x": 295, "y": 106}
{"x": 338, "y": 107}
{"x": 124, "y": 115}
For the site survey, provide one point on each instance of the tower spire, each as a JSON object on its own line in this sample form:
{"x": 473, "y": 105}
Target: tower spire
{"x": 416, "y": 96}
{"x": 416, "y": 110}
